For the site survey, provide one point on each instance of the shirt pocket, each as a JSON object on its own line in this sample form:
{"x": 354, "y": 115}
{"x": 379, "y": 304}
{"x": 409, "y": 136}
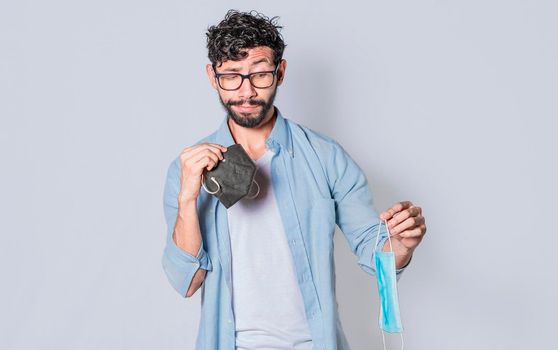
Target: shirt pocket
{"x": 317, "y": 217}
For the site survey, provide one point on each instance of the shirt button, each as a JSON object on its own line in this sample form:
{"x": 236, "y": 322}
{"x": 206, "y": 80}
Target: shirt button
{"x": 293, "y": 241}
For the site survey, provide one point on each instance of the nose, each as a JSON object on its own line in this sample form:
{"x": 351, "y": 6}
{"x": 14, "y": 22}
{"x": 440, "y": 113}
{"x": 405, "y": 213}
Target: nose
{"x": 246, "y": 90}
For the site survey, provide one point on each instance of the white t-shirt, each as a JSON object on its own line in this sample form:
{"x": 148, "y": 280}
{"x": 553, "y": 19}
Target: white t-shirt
{"x": 268, "y": 306}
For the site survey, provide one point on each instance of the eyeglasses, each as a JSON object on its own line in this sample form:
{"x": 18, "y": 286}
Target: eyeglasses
{"x": 233, "y": 81}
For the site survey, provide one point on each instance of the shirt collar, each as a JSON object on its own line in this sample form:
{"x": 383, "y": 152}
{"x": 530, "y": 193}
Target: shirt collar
{"x": 280, "y": 135}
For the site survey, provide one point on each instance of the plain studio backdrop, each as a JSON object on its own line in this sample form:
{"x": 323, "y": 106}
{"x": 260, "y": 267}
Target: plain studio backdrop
{"x": 449, "y": 104}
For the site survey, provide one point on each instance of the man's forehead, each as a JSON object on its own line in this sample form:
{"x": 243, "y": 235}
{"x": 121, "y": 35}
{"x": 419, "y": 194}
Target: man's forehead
{"x": 256, "y": 55}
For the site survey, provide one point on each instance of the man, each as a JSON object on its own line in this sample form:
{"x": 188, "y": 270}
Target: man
{"x": 265, "y": 264}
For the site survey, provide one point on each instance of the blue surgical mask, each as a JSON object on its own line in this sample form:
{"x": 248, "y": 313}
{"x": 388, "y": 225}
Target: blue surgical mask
{"x": 390, "y": 318}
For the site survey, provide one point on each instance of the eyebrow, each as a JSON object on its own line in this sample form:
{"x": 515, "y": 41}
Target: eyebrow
{"x": 237, "y": 69}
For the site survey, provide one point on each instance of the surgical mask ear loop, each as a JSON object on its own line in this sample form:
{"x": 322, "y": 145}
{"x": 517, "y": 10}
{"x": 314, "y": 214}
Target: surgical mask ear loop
{"x": 384, "y": 340}
{"x": 378, "y": 234}
{"x": 205, "y": 188}
{"x": 388, "y": 234}
{"x": 391, "y": 247}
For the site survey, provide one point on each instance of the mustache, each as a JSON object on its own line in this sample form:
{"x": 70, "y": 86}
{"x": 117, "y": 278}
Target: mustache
{"x": 250, "y": 102}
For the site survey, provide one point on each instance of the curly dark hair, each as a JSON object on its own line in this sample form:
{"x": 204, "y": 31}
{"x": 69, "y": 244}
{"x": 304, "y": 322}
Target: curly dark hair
{"x": 239, "y": 31}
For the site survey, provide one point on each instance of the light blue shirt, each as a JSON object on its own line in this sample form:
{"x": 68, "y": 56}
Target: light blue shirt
{"x": 317, "y": 185}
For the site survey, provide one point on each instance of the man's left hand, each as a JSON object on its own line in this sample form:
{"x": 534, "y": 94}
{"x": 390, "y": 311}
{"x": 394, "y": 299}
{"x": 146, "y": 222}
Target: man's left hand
{"x": 407, "y": 227}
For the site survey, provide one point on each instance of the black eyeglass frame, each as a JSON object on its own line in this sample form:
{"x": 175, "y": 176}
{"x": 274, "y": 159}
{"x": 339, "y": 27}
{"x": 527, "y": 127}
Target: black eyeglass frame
{"x": 246, "y": 76}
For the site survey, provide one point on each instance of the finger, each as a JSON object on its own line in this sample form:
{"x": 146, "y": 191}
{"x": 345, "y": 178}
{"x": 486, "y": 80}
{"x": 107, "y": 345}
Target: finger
{"x": 385, "y": 215}
{"x": 408, "y": 223}
{"x": 202, "y": 154}
{"x": 223, "y": 148}
{"x": 206, "y": 152}
{"x": 403, "y": 215}
{"x": 204, "y": 164}
{"x": 203, "y": 159}
{"x": 192, "y": 153}
{"x": 397, "y": 207}
{"x": 216, "y": 148}
{"x": 416, "y": 232}
{"x": 198, "y": 145}
{"x": 390, "y": 214}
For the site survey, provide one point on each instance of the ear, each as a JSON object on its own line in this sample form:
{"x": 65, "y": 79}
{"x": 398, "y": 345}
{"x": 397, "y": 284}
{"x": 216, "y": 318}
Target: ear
{"x": 211, "y": 75}
{"x": 281, "y": 71}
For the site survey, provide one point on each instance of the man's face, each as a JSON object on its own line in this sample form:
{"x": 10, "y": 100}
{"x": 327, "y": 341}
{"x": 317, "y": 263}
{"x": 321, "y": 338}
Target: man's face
{"x": 249, "y": 106}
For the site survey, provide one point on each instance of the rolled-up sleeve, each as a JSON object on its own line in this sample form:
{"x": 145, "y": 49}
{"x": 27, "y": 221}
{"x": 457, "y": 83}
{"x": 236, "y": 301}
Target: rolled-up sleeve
{"x": 355, "y": 213}
{"x": 179, "y": 265}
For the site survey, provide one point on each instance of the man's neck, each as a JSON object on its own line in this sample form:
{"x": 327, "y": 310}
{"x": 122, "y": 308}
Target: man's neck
{"x": 253, "y": 139}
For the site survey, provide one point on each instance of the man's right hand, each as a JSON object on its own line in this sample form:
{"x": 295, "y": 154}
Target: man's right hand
{"x": 193, "y": 162}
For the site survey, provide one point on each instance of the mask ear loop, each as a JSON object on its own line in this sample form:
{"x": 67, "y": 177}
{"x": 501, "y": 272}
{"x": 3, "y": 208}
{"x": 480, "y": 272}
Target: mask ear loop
{"x": 389, "y": 235}
{"x": 384, "y": 340}
{"x": 258, "y": 192}
{"x": 219, "y": 187}
{"x": 391, "y": 247}
{"x": 378, "y": 235}
{"x": 205, "y": 188}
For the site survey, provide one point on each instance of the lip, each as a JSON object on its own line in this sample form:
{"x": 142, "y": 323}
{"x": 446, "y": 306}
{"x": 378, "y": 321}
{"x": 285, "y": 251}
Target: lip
{"x": 246, "y": 108}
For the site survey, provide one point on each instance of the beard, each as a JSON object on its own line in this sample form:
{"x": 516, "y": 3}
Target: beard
{"x": 245, "y": 119}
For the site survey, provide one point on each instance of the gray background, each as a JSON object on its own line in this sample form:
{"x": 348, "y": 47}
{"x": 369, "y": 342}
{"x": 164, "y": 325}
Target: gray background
{"x": 449, "y": 104}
